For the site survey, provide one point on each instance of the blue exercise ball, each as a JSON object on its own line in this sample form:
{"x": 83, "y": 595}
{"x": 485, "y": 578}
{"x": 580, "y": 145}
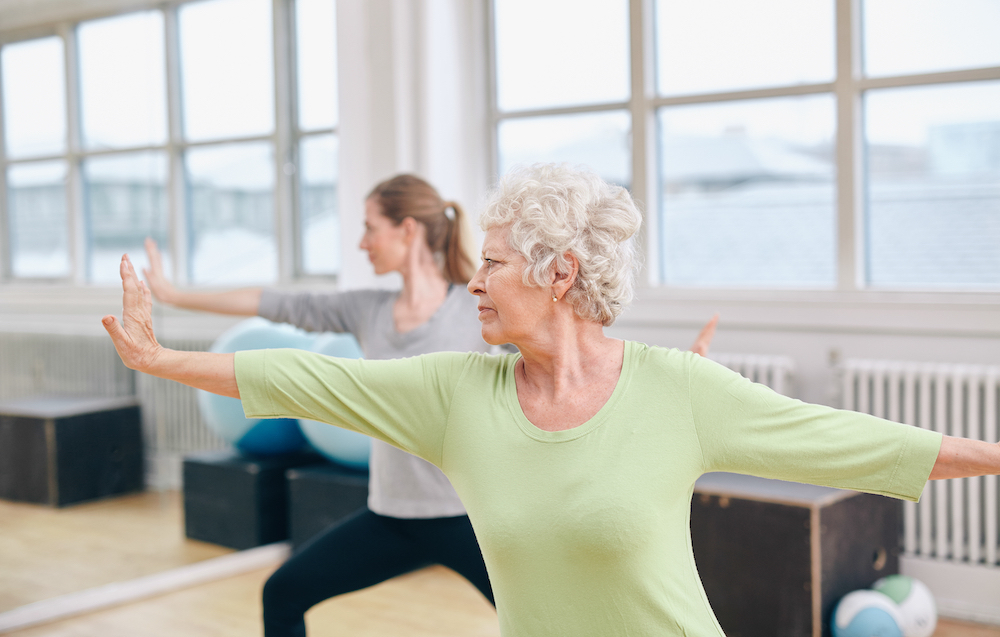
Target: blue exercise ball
{"x": 224, "y": 415}
{"x": 344, "y": 447}
{"x": 866, "y": 613}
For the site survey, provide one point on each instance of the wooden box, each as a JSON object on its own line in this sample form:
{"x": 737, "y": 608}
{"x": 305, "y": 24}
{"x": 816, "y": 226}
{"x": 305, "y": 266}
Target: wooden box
{"x": 775, "y": 557}
{"x": 322, "y": 495}
{"x": 60, "y": 450}
{"x": 238, "y": 501}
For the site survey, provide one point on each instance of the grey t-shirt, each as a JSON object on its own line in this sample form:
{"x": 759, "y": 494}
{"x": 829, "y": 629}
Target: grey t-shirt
{"x": 400, "y": 485}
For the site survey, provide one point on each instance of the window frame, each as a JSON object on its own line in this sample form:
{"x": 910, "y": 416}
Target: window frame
{"x": 285, "y": 138}
{"x": 847, "y": 89}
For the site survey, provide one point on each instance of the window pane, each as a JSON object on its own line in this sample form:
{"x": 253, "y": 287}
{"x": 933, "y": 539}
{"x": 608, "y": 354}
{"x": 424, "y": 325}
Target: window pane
{"x": 227, "y": 68}
{"x": 934, "y": 186}
{"x": 39, "y": 235}
{"x": 231, "y": 195}
{"x": 747, "y": 193}
{"x": 122, "y": 85}
{"x": 599, "y": 141}
{"x": 34, "y": 98}
{"x": 126, "y": 201}
{"x": 923, "y": 36}
{"x": 727, "y": 45}
{"x": 552, "y": 53}
{"x": 318, "y": 205}
{"x": 316, "y": 30}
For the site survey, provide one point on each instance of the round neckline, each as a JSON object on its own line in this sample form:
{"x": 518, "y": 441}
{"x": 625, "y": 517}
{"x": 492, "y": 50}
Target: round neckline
{"x": 566, "y": 435}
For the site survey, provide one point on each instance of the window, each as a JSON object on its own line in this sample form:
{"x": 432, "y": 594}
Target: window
{"x": 123, "y": 108}
{"x": 747, "y": 193}
{"x": 562, "y": 84}
{"x": 168, "y": 123}
{"x": 756, "y": 133}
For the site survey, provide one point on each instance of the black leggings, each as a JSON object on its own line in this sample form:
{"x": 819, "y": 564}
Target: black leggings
{"x": 362, "y": 551}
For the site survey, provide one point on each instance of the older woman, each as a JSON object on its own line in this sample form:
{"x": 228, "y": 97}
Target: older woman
{"x": 575, "y": 458}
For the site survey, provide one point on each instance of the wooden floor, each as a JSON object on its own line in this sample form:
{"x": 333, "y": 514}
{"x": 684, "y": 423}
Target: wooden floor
{"x": 48, "y": 552}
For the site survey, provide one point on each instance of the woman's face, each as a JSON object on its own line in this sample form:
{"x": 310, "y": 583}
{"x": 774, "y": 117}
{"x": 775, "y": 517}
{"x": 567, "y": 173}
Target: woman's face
{"x": 509, "y": 310}
{"x": 384, "y": 241}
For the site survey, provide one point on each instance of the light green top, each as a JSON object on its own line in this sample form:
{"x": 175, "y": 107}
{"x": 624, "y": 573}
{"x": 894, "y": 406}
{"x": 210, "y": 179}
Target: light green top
{"x": 586, "y": 531}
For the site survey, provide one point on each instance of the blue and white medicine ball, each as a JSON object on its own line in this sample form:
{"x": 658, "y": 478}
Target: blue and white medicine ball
{"x": 866, "y": 614}
{"x": 339, "y": 445}
{"x": 915, "y": 601}
{"x": 224, "y": 415}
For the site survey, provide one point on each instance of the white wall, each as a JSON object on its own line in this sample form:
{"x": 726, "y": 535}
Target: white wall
{"x": 412, "y": 99}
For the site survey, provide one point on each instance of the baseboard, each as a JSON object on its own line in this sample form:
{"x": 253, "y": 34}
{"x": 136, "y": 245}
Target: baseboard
{"x": 961, "y": 591}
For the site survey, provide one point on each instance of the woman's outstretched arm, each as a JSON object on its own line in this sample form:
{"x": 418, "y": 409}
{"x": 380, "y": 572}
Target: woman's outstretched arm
{"x": 965, "y": 458}
{"x": 241, "y": 302}
{"x": 136, "y": 344}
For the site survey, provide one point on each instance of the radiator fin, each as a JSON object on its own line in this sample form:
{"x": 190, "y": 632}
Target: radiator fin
{"x": 777, "y": 372}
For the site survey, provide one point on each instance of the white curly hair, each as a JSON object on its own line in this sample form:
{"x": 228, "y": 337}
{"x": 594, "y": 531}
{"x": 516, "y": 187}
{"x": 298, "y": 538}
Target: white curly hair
{"x": 555, "y": 209}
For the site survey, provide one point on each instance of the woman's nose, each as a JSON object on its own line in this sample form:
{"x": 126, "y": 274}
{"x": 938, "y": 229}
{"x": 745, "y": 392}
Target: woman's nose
{"x": 476, "y": 283}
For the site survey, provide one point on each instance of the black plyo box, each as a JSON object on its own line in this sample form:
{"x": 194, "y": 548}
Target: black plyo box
{"x": 775, "y": 557}
{"x": 60, "y": 450}
{"x": 238, "y": 501}
{"x": 322, "y": 495}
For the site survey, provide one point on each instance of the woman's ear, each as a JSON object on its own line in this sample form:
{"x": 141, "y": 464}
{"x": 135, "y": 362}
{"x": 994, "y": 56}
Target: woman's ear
{"x": 410, "y": 228}
{"x": 563, "y": 278}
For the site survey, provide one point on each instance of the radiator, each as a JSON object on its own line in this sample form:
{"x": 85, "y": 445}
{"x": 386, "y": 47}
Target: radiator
{"x": 36, "y": 364}
{"x": 956, "y": 520}
{"x": 777, "y": 372}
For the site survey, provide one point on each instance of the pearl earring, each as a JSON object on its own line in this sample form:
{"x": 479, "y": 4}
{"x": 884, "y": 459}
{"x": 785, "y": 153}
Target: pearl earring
{"x": 554, "y": 299}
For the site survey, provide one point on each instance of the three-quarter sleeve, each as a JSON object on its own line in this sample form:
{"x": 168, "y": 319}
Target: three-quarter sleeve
{"x": 744, "y": 427}
{"x": 404, "y": 402}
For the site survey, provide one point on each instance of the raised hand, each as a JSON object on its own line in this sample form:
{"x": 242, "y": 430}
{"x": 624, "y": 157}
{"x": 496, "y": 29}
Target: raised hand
{"x": 704, "y": 339}
{"x": 133, "y": 335}
{"x": 161, "y": 288}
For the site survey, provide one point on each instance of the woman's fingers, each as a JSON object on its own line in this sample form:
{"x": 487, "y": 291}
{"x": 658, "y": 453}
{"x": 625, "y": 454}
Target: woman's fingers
{"x": 704, "y": 340}
{"x": 133, "y": 335}
{"x": 153, "y": 253}
{"x": 158, "y": 284}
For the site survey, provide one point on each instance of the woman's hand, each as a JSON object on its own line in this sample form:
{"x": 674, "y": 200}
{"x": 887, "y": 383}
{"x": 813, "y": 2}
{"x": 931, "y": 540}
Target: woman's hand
{"x": 704, "y": 339}
{"x": 241, "y": 302}
{"x": 133, "y": 335}
{"x": 136, "y": 344}
{"x": 161, "y": 288}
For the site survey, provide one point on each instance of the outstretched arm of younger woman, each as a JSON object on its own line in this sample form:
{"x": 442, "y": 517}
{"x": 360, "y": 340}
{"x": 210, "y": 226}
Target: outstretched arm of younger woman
{"x": 136, "y": 344}
{"x": 240, "y": 302}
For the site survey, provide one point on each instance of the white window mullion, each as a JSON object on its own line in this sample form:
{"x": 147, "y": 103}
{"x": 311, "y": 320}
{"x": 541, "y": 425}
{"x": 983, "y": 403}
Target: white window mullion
{"x": 850, "y": 149}
{"x": 285, "y": 209}
{"x": 6, "y": 270}
{"x": 177, "y": 183}
{"x": 75, "y": 208}
{"x": 644, "y": 182}
{"x": 493, "y": 165}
